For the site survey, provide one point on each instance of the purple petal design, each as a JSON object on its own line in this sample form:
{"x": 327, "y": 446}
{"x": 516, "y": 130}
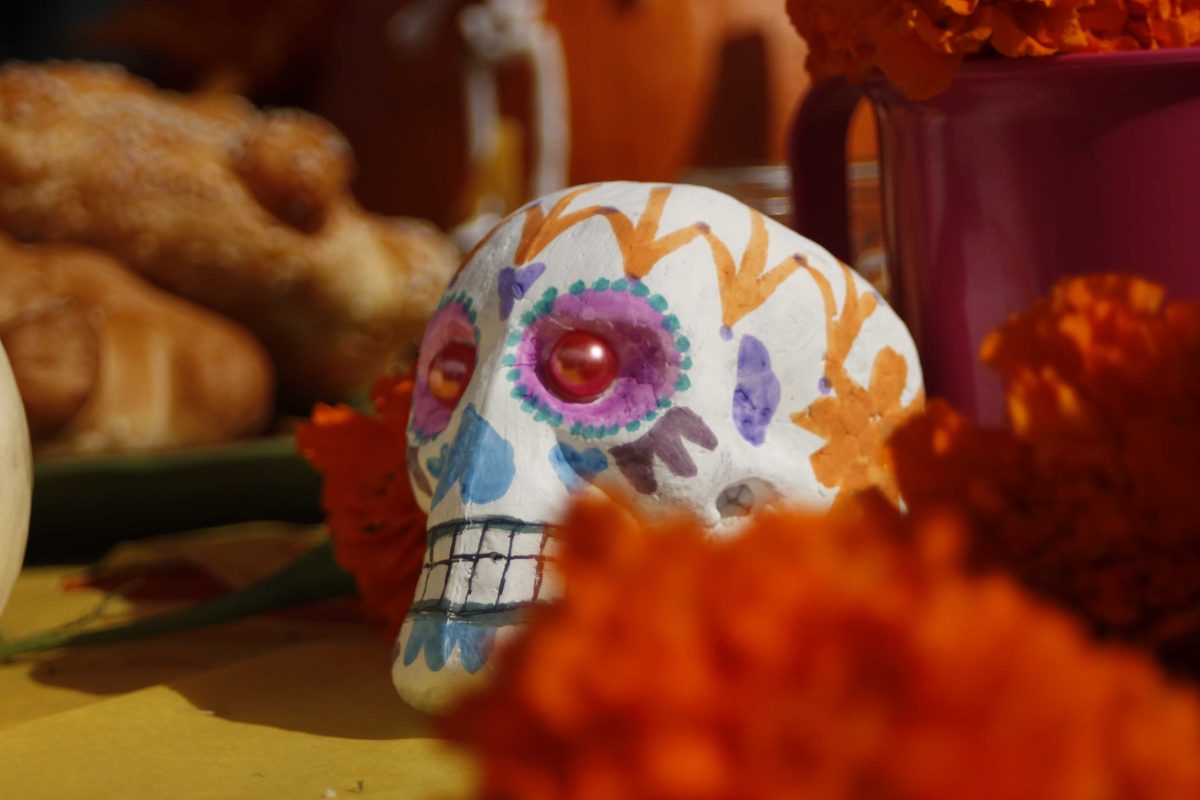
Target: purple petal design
{"x": 756, "y": 397}
{"x": 515, "y": 283}
{"x": 664, "y": 442}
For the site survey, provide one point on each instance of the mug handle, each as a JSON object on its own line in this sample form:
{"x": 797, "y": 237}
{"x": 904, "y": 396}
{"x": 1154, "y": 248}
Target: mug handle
{"x": 818, "y": 159}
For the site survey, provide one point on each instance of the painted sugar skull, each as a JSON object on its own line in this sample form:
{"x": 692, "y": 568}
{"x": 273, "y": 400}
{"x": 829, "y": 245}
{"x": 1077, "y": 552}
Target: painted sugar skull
{"x": 668, "y": 339}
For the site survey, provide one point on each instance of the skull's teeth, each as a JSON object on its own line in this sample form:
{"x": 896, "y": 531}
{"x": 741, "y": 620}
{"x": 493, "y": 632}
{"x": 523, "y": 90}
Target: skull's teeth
{"x": 485, "y": 566}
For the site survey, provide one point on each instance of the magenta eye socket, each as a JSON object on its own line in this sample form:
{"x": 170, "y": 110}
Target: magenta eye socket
{"x": 598, "y": 359}
{"x": 580, "y": 367}
{"x": 444, "y": 368}
{"x": 450, "y": 372}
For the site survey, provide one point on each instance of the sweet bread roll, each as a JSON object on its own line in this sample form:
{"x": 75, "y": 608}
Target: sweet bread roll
{"x": 105, "y": 362}
{"x": 246, "y": 213}
{"x": 51, "y": 342}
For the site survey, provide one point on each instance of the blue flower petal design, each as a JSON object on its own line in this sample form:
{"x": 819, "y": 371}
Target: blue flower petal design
{"x": 437, "y": 637}
{"x": 437, "y": 465}
{"x": 439, "y": 646}
{"x": 480, "y": 460}
{"x": 422, "y": 630}
{"x": 476, "y": 643}
{"x": 576, "y": 467}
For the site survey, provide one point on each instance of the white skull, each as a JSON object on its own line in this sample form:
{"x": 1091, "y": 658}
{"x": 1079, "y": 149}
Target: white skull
{"x": 731, "y": 342}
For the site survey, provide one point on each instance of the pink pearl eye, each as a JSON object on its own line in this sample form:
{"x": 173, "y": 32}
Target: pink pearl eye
{"x": 580, "y": 367}
{"x": 450, "y": 372}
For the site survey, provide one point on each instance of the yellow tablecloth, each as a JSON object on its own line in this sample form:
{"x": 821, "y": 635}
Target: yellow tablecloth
{"x": 268, "y": 708}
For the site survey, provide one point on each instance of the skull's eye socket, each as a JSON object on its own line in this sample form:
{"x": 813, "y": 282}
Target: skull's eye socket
{"x": 450, "y": 372}
{"x": 580, "y": 367}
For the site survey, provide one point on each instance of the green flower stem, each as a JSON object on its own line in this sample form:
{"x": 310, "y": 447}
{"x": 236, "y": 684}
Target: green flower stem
{"x": 313, "y": 577}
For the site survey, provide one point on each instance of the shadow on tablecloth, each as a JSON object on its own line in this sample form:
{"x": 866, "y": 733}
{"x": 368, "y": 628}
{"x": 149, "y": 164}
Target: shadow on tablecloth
{"x": 337, "y": 688}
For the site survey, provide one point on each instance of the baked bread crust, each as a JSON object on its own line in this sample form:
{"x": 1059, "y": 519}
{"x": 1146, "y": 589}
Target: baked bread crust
{"x": 245, "y": 212}
{"x": 106, "y": 362}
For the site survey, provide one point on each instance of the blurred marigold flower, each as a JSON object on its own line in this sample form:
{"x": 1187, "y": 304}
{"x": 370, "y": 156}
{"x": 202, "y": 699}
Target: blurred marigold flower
{"x": 378, "y": 529}
{"x": 920, "y": 44}
{"x": 847, "y": 656}
{"x": 1093, "y": 497}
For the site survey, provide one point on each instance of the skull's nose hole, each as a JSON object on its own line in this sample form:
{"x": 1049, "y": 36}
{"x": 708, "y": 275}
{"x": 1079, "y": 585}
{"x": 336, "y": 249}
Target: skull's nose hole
{"x": 743, "y": 498}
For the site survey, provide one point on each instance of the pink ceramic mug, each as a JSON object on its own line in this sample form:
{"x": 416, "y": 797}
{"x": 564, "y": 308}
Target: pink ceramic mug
{"x": 1024, "y": 171}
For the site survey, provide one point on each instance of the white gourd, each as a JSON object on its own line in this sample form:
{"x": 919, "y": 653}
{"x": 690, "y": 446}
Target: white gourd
{"x": 16, "y": 481}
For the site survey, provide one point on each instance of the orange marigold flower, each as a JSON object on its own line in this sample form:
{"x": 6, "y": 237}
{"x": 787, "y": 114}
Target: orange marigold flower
{"x": 1093, "y": 497}
{"x": 920, "y": 44}
{"x": 378, "y": 529}
{"x": 840, "y": 657}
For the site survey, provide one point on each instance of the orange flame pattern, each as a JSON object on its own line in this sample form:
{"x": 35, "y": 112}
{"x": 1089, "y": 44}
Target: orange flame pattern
{"x": 745, "y": 288}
